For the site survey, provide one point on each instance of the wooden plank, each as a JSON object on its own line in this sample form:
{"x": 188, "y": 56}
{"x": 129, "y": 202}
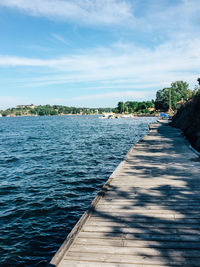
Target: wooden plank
{"x": 144, "y": 219}
{"x": 139, "y": 230}
{"x": 82, "y": 263}
{"x": 133, "y": 215}
{"x": 128, "y": 205}
{"x": 150, "y": 197}
{"x": 158, "y": 195}
{"x": 133, "y": 251}
{"x": 144, "y": 236}
{"x": 152, "y": 203}
{"x": 159, "y": 225}
{"x": 148, "y": 210}
{"x": 152, "y": 190}
{"x": 124, "y": 259}
{"x": 133, "y": 185}
{"x": 137, "y": 243}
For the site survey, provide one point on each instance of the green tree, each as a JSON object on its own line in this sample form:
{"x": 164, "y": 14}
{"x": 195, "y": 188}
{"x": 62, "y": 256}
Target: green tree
{"x": 132, "y": 106}
{"x": 41, "y": 112}
{"x": 181, "y": 89}
{"x": 18, "y": 113}
{"x": 121, "y": 107}
{"x": 141, "y": 106}
{"x": 162, "y": 99}
{"x": 53, "y": 112}
{"x": 178, "y": 91}
{"x": 5, "y": 113}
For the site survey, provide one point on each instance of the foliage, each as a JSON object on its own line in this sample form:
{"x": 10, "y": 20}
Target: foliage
{"x": 135, "y": 107}
{"x": 48, "y": 110}
{"x": 182, "y": 90}
{"x": 121, "y": 107}
{"x": 179, "y": 91}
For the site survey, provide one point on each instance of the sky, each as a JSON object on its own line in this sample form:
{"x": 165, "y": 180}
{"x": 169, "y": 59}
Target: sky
{"x": 95, "y": 53}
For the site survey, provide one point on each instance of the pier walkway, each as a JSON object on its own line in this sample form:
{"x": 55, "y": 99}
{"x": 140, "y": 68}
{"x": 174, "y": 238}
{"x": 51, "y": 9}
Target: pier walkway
{"x": 148, "y": 212}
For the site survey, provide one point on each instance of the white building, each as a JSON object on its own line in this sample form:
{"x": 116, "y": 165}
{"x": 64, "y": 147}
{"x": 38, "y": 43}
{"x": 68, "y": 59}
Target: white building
{"x": 26, "y": 106}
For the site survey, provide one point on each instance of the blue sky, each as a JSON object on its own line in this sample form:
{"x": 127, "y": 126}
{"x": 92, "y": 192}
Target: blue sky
{"x": 95, "y": 53}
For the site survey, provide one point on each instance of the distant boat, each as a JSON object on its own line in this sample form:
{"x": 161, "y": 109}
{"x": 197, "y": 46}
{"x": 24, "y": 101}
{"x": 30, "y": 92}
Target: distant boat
{"x": 116, "y": 116}
{"x": 109, "y": 116}
{"x": 103, "y": 117}
{"x": 128, "y": 116}
{"x": 106, "y": 116}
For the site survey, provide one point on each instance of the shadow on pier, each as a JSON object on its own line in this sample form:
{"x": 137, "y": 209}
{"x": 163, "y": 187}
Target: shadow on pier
{"x": 173, "y": 228}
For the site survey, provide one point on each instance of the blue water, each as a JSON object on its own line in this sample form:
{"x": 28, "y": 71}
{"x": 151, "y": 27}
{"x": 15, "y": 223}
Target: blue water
{"x": 50, "y": 170}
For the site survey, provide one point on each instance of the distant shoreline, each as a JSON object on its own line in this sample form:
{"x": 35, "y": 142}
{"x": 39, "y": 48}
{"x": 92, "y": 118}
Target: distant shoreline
{"x": 15, "y": 116}
{"x": 134, "y": 107}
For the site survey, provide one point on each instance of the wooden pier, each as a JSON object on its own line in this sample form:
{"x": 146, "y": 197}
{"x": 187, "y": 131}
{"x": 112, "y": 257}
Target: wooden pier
{"x": 147, "y": 213}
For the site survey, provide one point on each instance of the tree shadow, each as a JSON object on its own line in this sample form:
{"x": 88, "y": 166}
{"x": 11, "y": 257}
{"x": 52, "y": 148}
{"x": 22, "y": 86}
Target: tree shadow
{"x": 160, "y": 212}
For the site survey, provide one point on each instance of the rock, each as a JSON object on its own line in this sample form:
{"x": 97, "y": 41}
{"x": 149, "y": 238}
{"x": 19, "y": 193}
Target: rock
{"x": 187, "y": 119}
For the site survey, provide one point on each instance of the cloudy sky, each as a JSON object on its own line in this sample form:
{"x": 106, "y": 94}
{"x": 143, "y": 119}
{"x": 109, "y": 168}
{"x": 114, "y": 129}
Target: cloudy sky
{"x": 95, "y": 53}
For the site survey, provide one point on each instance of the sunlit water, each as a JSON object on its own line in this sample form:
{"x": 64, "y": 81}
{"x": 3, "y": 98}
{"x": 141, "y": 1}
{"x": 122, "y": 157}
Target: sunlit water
{"x": 50, "y": 170}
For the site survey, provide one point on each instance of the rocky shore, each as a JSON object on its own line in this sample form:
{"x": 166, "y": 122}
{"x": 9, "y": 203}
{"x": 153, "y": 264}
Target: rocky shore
{"x": 188, "y": 120}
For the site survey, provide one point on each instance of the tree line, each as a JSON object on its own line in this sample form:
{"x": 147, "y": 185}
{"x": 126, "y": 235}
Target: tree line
{"x": 48, "y": 110}
{"x": 169, "y": 98}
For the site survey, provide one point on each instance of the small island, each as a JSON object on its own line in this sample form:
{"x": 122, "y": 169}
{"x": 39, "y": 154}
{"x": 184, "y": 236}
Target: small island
{"x": 144, "y": 107}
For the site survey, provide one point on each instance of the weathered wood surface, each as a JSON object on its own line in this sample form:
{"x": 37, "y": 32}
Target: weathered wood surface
{"x": 147, "y": 214}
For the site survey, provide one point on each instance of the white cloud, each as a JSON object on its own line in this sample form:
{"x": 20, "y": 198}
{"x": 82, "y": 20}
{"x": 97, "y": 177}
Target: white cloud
{"x": 87, "y": 11}
{"x": 158, "y": 17}
{"x": 138, "y": 95}
{"x": 133, "y": 68}
{"x": 59, "y": 38}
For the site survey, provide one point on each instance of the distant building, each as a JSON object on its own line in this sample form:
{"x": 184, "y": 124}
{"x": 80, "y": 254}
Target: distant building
{"x": 26, "y": 106}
